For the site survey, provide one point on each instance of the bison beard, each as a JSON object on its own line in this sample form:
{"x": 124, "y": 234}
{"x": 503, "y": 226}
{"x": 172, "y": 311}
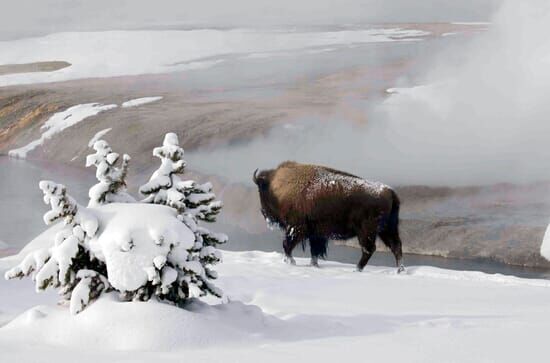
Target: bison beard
{"x": 316, "y": 203}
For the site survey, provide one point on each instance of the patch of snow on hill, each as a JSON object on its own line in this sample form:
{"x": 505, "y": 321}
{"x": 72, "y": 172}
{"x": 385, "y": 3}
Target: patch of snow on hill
{"x": 118, "y": 53}
{"x": 141, "y": 101}
{"x": 59, "y": 122}
{"x": 98, "y": 136}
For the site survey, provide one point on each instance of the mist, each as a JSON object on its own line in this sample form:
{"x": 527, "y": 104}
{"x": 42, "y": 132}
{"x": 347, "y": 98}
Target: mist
{"x": 26, "y": 18}
{"x": 478, "y": 115}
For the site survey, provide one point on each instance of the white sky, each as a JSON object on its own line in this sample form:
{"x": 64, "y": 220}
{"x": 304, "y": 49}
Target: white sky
{"x": 30, "y": 17}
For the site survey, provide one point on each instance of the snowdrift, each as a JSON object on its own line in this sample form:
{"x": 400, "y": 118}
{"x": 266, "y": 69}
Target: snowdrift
{"x": 296, "y": 313}
{"x": 113, "y": 325}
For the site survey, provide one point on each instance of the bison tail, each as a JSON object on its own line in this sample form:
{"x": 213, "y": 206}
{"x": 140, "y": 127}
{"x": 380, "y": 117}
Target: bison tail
{"x": 392, "y": 223}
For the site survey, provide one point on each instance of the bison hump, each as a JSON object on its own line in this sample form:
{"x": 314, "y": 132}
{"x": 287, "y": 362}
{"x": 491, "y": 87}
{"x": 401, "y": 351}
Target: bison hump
{"x": 291, "y": 180}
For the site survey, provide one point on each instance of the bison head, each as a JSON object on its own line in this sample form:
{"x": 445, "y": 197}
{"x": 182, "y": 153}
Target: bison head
{"x": 267, "y": 200}
{"x": 262, "y": 179}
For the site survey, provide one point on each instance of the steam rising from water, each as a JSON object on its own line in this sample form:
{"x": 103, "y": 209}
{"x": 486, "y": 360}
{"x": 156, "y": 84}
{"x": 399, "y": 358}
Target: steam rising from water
{"x": 481, "y": 115}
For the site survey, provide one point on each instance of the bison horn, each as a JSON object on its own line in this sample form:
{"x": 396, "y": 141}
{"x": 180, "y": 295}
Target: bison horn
{"x": 255, "y": 177}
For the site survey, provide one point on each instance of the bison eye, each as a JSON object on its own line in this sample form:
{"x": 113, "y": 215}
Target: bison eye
{"x": 263, "y": 185}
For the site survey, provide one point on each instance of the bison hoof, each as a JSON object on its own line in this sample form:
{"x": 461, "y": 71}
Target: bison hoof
{"x": 289, "y": 260}
{"x": 314, "y": 262}
{"x": 400, "y": 269}
{"x": 358, "y": 269}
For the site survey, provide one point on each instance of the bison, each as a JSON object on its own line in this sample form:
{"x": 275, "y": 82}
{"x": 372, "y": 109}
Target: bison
{"x": 316, "y": 203}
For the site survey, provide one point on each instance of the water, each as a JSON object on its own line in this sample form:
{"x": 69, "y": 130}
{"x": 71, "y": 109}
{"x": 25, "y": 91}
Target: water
{"x": 272, "y": 241}
{"x": 21, "y": 200}
{"x": 22, "y": 210}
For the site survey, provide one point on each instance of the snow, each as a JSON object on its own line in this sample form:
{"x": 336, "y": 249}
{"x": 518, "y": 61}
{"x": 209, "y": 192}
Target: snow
{"x": 471, "y": 23}
{"x": 59, "y": 122}
{"x": 42, "y": 241}
{"x": 118, "y": 53}
{"x": 325, "y": 179}
{"x": 98, "y": 136}
{"x": 111, "y": 186}
{"x": 296, "y": 313}
{"x": 141, "y": 101}
{"x": 545, "y": 246}
{"x": 126, "y": 241}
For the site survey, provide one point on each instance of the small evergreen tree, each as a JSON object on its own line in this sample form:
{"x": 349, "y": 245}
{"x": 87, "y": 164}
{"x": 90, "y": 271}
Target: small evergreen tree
{"x": 165, "y": 186}
{"x": 112, "y": 184}
{"x": 140, "y": 250}
{"x": 193, "y": 202}
{"x": 68, "y": 264}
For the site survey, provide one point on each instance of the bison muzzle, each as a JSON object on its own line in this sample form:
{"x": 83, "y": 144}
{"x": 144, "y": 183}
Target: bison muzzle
{"x": 316, "y": 203}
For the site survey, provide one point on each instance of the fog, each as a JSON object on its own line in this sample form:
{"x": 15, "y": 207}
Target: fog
{"x": 479, "y": 116}
{"x": 30, "y": 17}
{"x": 482, "y": 115}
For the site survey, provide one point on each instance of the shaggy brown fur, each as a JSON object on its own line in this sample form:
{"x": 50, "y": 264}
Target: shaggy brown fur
{"x": 316, "y": 203}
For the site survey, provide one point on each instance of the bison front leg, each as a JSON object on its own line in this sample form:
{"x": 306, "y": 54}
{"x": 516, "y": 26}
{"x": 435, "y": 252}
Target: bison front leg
{"x": 367, "y": 241}
{"x": 292, "y": 238}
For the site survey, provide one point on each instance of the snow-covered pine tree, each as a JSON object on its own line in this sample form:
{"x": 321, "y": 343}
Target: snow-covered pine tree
{"x": 165, "y": 186}
{"x": 68, "y": 264}
{"x": 140, "y": 250}
{"x": 193, "y": 202}
{"x": 112, "y": 185}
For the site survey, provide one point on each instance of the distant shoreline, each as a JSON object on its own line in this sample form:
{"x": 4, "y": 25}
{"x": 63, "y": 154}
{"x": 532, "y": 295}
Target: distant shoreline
{"x": 49, "y": 66}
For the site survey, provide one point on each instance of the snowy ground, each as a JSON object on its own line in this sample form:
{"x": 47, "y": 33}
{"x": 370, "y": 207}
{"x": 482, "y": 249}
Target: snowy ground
{"x": 295, "y": 313}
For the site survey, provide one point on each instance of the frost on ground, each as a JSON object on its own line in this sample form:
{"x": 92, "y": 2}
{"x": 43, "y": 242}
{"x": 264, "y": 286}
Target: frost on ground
{"x": 59, "y": 122}
{"x": 296, "y": 313}
{"x": 141, "y": 101}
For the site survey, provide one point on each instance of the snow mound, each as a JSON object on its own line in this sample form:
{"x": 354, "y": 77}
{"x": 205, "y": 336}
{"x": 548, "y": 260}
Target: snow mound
{"x": 142, "y": 326}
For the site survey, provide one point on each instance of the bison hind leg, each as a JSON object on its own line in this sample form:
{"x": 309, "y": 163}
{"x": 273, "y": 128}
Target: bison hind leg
{"x": 318, "y": 247}
{"x": 392, "y": 240}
